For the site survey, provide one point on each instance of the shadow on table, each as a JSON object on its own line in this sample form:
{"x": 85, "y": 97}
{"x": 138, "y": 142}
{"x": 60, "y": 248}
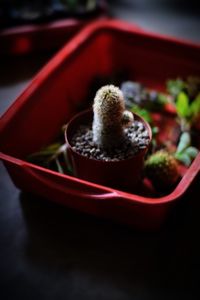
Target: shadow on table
{"x": 64, "y": 240}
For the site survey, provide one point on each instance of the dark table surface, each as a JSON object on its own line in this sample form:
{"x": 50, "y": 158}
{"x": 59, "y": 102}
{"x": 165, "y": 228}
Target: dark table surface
{"x": 50, "y": 252}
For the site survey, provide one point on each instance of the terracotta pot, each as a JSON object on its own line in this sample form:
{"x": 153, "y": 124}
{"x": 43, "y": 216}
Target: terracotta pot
{"x": 124, "y": 174}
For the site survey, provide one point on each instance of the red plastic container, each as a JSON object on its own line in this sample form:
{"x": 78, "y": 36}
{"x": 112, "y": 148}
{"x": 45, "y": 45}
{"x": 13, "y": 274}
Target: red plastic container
{"x": 53, "y": 97}
{"x": 35, "y": 38}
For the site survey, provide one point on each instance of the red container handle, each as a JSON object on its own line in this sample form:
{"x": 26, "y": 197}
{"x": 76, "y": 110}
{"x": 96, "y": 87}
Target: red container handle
{"x": 112, "y": 195}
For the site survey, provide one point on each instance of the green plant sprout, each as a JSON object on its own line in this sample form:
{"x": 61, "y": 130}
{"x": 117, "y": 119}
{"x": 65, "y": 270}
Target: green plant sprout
{"x": 186, "y": 111}
{"x": 185, "y": 153}
{"x": 52, "y": 157}
{"x": 191, "y": 86}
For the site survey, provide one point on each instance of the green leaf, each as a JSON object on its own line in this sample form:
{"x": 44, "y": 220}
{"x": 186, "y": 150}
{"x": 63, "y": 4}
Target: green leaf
{"x": 60, "y": 169}
{"x": 184, "y": 158}
{"x": 53, "y": 147}
{"x": 182, "y": 105}
{"x": 45, "y": 152}
{"x": 192, "y": 152}
{"x": 142, "y": 112}
{"x": 67, "y": 163}
{"x": 162, "y": 98}
{"x": 195, "y": 107}
{"x": 184, "y": 142}
{"x": 174, "y": 87}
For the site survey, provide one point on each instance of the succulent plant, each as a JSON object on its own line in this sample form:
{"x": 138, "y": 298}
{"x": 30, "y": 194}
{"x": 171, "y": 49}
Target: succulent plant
{"x": 136, "y": 94}
{"x": 132, "y": 92}
{"x": 110, "y": 117}
{"x": 162, "y": 170}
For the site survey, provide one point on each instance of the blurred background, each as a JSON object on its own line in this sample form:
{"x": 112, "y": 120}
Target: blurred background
{"x": 174, "y": 17}
{"x": 31, "y": 31}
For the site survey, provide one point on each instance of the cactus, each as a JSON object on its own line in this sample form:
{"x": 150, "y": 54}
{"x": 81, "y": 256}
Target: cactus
{"x": 110, "y": 117}
{"x": 162, "y": 170}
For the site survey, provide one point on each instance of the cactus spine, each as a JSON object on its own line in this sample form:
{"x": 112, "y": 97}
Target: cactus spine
{"x": 110, "y": 117}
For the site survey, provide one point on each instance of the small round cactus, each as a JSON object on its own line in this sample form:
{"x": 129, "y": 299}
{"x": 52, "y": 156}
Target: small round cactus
{"x": 110, "y": 117}
{"x": 162, "y": 169}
